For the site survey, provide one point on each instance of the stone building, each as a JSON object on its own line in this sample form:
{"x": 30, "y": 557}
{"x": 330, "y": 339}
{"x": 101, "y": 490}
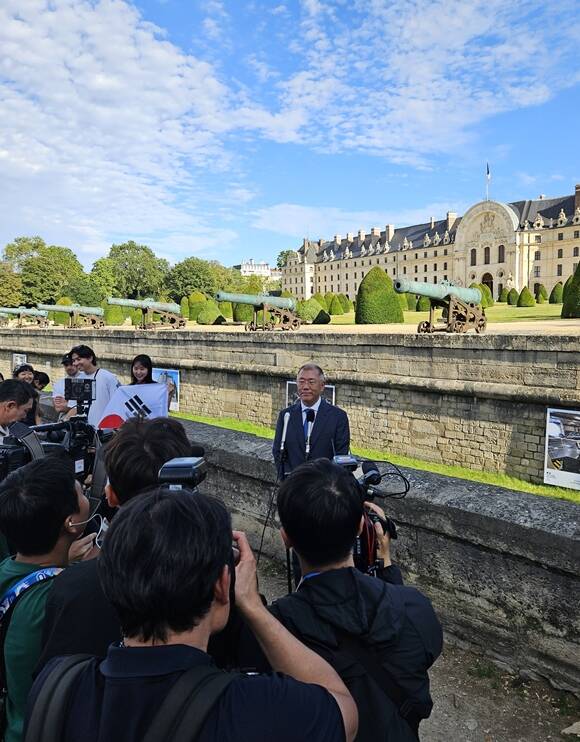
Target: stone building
{"x": 524, "y": 243}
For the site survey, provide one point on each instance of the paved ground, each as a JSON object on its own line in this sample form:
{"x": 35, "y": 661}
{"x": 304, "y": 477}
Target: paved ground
{"x": 474, "y": 700}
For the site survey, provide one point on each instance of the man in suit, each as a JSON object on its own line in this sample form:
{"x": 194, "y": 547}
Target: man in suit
{"x": 327, "y": 424}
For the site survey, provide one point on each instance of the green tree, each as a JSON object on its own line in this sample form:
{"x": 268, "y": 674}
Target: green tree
{"x": 513, "y": 297}
{"x": 138, "y": 272}
{"x": 571, "y": 305}
{"x": 103, "y": 277}
{"x": 376, "y": 301}
{"x": 10, "y": 286}
{"x": 525, "y": 299}
{"x": 83, "y": 290}
{"x": 21, "y": 249}
{"x": 556, "y": 294}
{"x": 283, "y": 257}
{"x": 45, "y": 274}
{"x": 503, "y": 297}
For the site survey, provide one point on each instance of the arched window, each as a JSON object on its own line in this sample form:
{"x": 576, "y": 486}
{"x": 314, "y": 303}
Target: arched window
{"x": 501, "y": 254}
{"x": 473, "y": 257}
{"x": 486, "y": 258}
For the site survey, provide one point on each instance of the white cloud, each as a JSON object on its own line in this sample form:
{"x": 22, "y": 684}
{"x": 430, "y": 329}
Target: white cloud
{"x": 298, "y": 221}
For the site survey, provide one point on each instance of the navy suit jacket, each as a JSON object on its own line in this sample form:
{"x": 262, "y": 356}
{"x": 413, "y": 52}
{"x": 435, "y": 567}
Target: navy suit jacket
{"x": 330, "y": 435}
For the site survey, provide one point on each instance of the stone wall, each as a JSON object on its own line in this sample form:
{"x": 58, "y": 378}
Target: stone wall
{"x": 501, "y": 567}
{"x": 475, "y": 401}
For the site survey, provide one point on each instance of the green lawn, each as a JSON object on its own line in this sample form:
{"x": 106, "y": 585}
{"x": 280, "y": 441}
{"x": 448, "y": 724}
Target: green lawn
{"x": 497, "y": 480}
{"x": 497, "y": 313}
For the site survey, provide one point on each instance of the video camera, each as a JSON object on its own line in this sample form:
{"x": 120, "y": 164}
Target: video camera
{"x": 369, "y": 477}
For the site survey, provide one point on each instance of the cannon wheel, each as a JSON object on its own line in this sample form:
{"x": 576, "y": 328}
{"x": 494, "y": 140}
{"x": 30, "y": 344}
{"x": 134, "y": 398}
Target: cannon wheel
{"x": 424, "y": 327}
{"x": 481, "y": 324}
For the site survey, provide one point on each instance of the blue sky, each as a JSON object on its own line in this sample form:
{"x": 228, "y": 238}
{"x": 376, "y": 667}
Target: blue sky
{"x": 232, "y": 129}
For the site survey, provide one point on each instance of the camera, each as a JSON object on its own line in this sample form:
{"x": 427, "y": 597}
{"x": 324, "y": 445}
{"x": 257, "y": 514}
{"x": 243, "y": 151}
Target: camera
{"x": 75, "y": 437}
{"x": 187, "y": 471}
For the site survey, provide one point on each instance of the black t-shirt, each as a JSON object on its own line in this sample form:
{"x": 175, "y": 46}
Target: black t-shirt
{"x": 117, "y": 699}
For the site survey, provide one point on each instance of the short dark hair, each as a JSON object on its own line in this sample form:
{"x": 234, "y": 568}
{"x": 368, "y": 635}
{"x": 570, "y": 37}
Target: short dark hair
{"x": 35, "y": 500}
{"x": 42, "y": 378}
{"x": 161, "y": 559}
{"x": 22, "y": 367}
{"x": 320, "y": 507}
{"x": 140, "y": 448}
{"x": 83, "y": 351}
{"x": 13, "y": 390}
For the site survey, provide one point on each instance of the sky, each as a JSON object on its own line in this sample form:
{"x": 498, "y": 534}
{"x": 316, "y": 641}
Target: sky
{"x": 232, "y": 129}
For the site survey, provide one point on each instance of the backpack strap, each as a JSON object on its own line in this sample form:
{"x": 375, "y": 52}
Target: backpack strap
{"x": 368, "y": 660}
{"x": 187, "y": 705}
{"x": 46, "y": 720}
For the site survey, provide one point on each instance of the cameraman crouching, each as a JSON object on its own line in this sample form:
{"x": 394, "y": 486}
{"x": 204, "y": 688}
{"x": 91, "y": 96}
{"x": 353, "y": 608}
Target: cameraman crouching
{"x": 380, "y": 637}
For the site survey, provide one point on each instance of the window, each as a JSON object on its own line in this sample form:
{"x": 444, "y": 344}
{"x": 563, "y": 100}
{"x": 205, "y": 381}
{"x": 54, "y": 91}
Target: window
{"x": 560, "y": 235}
{"x": 424, "y": 269}
{"x": 536, "y": 271}
{"x": 560, "y": 253}
{"x": 558, "y": 270}
{"x": 538, "y": 238}
{"x": 501, "y": 254}
{"x": 537, "y": 255}
{"x": 473, "y": 257}
{"x": 575, "y": 252}
{"x": 486, "y": 255}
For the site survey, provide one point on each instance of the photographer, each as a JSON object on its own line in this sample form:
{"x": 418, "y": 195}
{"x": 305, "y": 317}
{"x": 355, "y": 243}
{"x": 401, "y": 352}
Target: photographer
{"x": 42, "y": 510}
{"x": 78, "y": 616}
{"x": 380, "y": 637}
{"x": 167, "y": 568}
{"x": 15, "y": 403}
{"x": 85, "y": 361}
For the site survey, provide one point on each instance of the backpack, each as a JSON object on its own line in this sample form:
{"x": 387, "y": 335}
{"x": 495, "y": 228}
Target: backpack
{"x": 8, "y": 605}
{"x": 179, "y": 719}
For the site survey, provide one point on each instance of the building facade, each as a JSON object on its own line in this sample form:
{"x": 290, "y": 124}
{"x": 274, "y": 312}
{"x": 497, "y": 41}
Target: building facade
{"x": 524, "y": 243}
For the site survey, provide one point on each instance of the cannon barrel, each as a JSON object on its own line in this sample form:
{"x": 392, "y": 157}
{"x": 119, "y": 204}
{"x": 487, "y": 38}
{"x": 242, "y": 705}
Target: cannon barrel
{"x": 145, "y": 304}
{"x": 71, "y": 308}
{"x": 439, "y": 291}
{"x": 257, "y": 299}
{"x": 23, "y": 311}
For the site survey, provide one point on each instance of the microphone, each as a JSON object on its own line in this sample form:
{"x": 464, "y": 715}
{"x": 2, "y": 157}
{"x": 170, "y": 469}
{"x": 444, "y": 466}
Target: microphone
{"x": 284, "y": 431}
{"x": 310, "y": 420}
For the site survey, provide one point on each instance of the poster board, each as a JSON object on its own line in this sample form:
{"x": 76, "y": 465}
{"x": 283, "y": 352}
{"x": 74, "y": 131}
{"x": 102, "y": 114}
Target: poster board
{"x": 562, "y": 452}
{"x": 169, "y": 376}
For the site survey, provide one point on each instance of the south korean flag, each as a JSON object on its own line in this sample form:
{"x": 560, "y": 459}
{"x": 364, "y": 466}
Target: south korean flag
{"x": 137, "y": 400}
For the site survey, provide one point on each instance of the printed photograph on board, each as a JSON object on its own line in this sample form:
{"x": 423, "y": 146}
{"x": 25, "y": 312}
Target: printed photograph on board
{"x": 169, "y": 376}
{"x": 329, "y": 393}
{"x": 562, "y": 453}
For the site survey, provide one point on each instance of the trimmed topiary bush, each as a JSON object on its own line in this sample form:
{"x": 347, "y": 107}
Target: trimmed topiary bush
{"x": 210, "y": 315}
{"x": 345, "y": 303}
{"x": 335, "y": 307}
{"x": 62, "y": 318}
{"x": 376, "y": 301}
{"x": 423, "y": 304}
{"x": 503, "y": 297}
{"x": 525, "y": 298}
{"x": 185, "y": 307}
{"x": 513, "y": 297}
{"x": 556, "y": 294}
{"x": 321, "y": 300}
{"x": 225, "y": 308}
{"x": 411, "y": 302}
{"x": 541, "y": 291}
{"x": 571, "y": 306}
